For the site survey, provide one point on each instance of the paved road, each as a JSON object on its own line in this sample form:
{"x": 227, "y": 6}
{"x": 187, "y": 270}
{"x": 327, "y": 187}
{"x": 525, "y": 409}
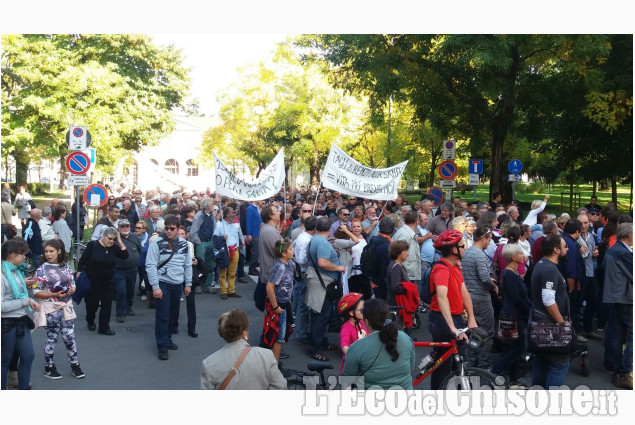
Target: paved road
{"x": 128, "y": 360}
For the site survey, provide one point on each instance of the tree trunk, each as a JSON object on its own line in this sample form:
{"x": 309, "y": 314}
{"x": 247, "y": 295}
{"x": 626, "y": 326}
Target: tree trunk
{"x": 614, "y": 191}
{"x": 62, "y": 159}
{"x": 21, "y": 169}
{"x": 604, "y": 184}
{"x": 630, "y": 202}
{"x": 595, "y": 187}
{"x": 571, "y": 196}
{"x": 287, "y": 165}
{"x": 498, "y": 182}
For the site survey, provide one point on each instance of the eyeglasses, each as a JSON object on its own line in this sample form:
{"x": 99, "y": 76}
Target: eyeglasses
{"x": 139, "y": 227}
{"x": 462, "y": 246}
{"x": 594, "y": 213}
{"x": 172, "y": 228}
{"x": 111, "y": 239}
{"x": 346, "y": 214}
{"x": 306, "y": 210}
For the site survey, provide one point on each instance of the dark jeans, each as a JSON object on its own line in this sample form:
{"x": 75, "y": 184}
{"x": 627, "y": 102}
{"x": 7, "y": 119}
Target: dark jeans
{"x": 441, "y": 333}
{"x": 510, "y": 360}
{"x": 22, "y": 346}
{"x": 166, "y": 312}
{"x": 5, "y": 232}
{"x": 619, "y": 332}
{"x": 484, "y": 315}
{"x": 190, "y": 305}
{"x": 300, "y": 309}
{"x": 255, "y": 257}
{"x": 590, "y": 291}
{"x": 143, "y": 277}
{"x": 381, "y": 292}
{"x": 549, "y": 371}
{"x": 101, "y": 290}
{"x": 575, "y": 301}
{"x": 319, "y": 325}
{"x": 125, "y": 280}
{"x": 240, "y": 272}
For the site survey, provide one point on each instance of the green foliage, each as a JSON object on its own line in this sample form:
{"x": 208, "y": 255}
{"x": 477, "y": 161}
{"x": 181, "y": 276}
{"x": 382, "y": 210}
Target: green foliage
{"x": 535, "y": 187}
{"x": 122, "y": 87}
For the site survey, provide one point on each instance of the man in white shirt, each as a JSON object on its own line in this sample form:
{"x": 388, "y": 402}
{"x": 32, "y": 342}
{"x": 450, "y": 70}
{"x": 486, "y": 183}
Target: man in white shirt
{"x": 46, "y": 230}
{"x": 234, "y": 238}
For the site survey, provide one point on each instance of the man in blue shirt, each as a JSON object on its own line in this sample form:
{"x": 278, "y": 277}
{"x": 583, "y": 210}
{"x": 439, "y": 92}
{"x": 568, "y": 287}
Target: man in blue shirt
{"x": 426, "y": 239}
{"x": 253, "y": 222}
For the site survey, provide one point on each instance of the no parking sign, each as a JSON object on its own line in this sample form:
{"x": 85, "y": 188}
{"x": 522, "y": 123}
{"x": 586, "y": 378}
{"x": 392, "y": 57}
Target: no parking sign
{"x": 437, "y": 195}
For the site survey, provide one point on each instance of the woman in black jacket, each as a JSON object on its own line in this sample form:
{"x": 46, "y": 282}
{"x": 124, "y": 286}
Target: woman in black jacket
{"x": 98, "y": 261}
{"x": 516, "y": 304}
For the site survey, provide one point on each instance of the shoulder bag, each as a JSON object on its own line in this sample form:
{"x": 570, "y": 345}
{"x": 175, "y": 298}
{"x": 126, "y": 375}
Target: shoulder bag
{"x": 334, "y": 290}
{"x": 551, "y": 337}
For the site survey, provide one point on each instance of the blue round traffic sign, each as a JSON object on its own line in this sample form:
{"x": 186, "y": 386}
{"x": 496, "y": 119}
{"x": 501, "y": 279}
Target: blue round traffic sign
{"x": 448, "y": 170}
{"x": 96, "y": 189}
{"x": 78, "y": 132}
{"x": 437, "y": 195}
{"x": 515, "y": 166}
{"x": 449, "y": 144}
{"x": 77, "y": 163}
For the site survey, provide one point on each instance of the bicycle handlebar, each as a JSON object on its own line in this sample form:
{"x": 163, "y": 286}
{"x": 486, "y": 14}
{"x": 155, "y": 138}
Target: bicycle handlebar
{"x": 461, "y": 332}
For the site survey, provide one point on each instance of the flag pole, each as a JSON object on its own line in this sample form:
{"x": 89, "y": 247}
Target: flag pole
{"x": 316, "y": 197}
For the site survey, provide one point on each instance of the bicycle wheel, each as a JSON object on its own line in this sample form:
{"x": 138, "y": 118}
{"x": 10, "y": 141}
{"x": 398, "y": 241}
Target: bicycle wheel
{"x": 478, "y": 379}
{"x": 295, "y": 384}
{"x": 78, "y": 250}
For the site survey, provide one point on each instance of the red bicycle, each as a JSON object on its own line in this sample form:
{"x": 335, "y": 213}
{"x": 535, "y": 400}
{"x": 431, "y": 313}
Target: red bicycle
{"x": 463, "y": 377}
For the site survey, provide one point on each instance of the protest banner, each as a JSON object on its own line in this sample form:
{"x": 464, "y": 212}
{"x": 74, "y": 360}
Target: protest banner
{"x": 267, "y": 185}
{"x": 346, "y": 175}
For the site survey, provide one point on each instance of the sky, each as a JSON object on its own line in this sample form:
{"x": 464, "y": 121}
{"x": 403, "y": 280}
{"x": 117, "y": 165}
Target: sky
{"x": 214, "y": 59}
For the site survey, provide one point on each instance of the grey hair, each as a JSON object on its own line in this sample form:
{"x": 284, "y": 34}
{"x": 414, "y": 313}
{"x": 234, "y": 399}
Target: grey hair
{"x": 459, "y": 221}
{"x": 446, "y": 206}
{"x": 535, "y": 203}
{"x": 623, "y": 230}
{"x": 205, "y": 202}
{"x": 155, "y": 208}
{"x": 512, "y": 209}
{"x": 160, "y": 227}
{"x": 110, "y": 231}
{"x": 470, "y": 220}
{"x": 582, "y": 210}
{"x": 509, "y": 250}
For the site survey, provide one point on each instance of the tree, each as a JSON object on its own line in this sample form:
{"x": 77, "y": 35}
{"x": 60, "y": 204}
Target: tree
{"x": 281, "y": 102}
{"x": 475, "y": 87}
{"x": 122, "y": 87}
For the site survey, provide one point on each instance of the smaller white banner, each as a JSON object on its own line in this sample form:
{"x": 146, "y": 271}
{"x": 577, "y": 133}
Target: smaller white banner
{"x": 344, "y": 174}
{"x": 267, "y": 185}
{"x": 474, "y": 181}
{"x": 447, "y": 184}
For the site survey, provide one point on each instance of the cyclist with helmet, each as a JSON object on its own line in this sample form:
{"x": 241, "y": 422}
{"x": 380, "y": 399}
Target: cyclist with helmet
{"x": 349, "y": 308}
{"x": 449, "y": 298}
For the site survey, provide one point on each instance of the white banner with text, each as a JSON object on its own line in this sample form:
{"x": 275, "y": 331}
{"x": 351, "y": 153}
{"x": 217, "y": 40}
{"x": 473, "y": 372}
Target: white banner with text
{"x": 267, "y": 185}
{"x": 346, "y": 175}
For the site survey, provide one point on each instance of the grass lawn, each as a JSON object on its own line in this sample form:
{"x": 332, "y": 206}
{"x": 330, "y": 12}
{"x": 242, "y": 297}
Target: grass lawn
{"x": 554, "y": 205}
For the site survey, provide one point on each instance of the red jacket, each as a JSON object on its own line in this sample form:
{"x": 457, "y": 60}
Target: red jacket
{"x": 410, "y": 301}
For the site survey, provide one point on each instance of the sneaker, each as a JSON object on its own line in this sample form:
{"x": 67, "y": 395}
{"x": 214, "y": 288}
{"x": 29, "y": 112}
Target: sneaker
{"x": 223, "y": 296}
{"x": 130, "y": 312}
{"x": 582, "y": 339}
{"x": 76, "y": 371}
{"x": 254, "y": 272}
{"x": 592, "y": 335}
{"x": 242, "y": 279}
{"x": 233, "y": 295}
{"x": 182, "y": 299}
{"x": 284, "y": 355}
{"x": 172, "y": 346}
{"x": 518, "y": 385}
{"x": 624, "y": 381}
{"x": 215, "y": 285}
{"x": 121, "y": 319}
{"x": 51, "y": 372}
{"x": 144, "y": 298}
{"x": 210, "y": 290}
{"x": 13, "y": 379}
{"x": 143, "y": 285}
{"x": 163, "y": 355}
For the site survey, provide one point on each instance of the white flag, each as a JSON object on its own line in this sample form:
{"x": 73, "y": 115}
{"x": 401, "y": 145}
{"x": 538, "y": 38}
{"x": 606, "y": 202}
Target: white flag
{"x": 344, "y": 174}
{"x": 267, "y": 185}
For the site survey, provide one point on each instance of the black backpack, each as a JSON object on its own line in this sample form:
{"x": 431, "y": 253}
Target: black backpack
{"x": 368, "y": 261}
{"x": 426, "y": 294}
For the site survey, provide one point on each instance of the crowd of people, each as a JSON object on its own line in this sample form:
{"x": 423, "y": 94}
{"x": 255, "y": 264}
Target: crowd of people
{"x": 326, "y": 261}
